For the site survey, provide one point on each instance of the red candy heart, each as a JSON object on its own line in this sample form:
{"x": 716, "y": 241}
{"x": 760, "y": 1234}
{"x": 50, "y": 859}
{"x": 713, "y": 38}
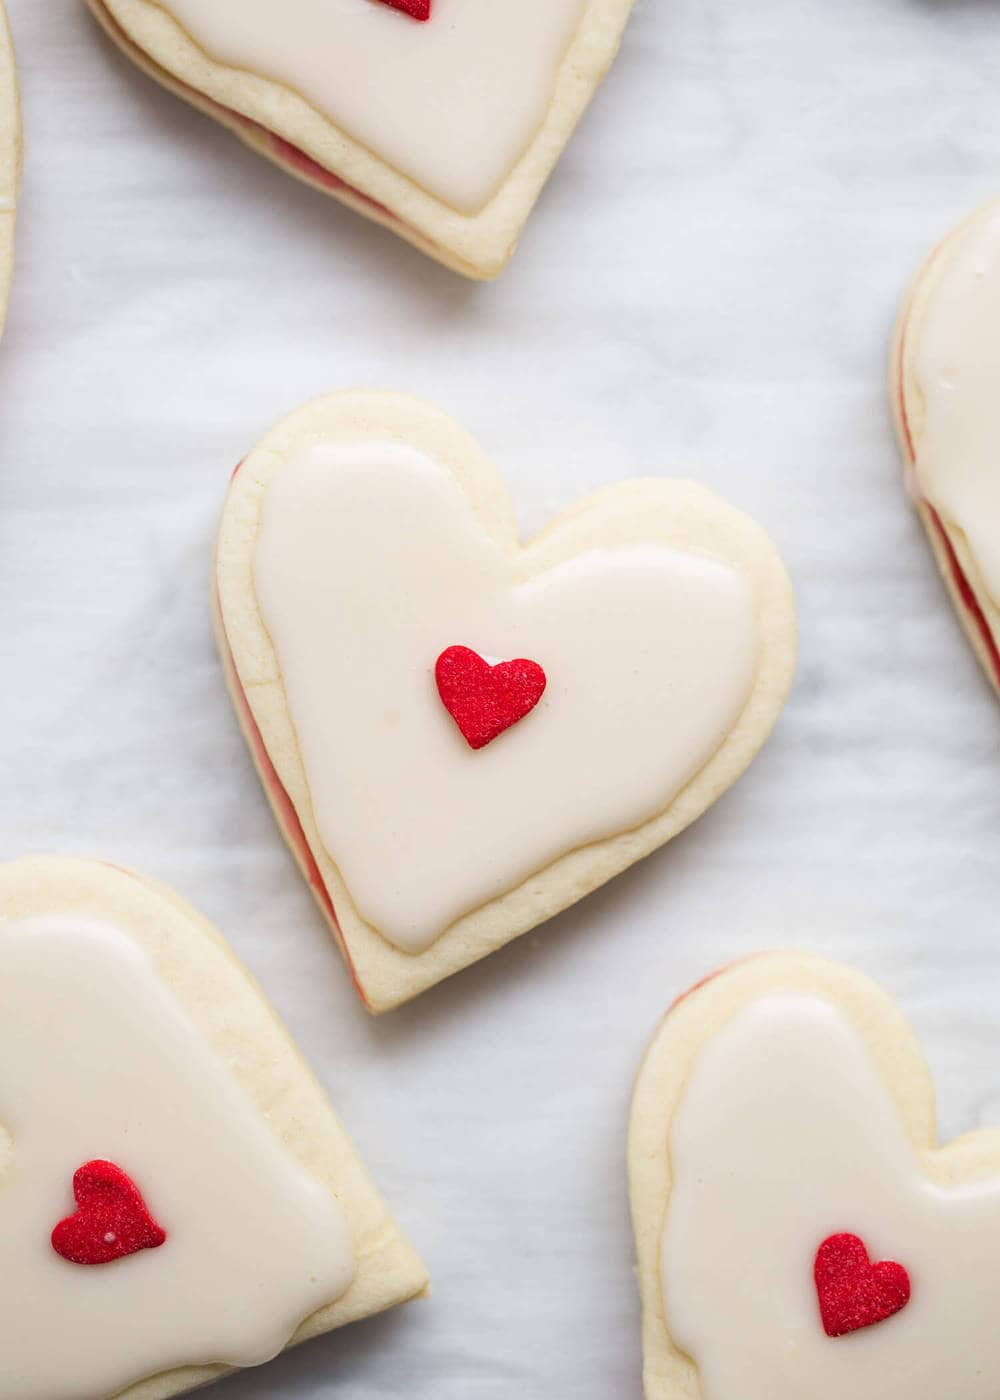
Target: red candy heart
{"x": 416, "y": 9}
{"x": 484, "y": 700}
{"x": 112, "y": 1220}
{"x": 854, "y": 1292}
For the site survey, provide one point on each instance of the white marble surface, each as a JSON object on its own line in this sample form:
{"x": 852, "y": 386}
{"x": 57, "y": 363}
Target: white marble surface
{"x": 706, "y": 288}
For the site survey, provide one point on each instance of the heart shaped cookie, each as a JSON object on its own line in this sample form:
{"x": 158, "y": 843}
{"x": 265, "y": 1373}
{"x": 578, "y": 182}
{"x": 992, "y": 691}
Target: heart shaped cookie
{"x": 178, "y": 1198}
{"x": 798, "y": 1231}
{"x": 367, "y": 540}
{"x": 10, "y": 158}
{"x": 945, "y": 370}
{"x": 440, "y": 121}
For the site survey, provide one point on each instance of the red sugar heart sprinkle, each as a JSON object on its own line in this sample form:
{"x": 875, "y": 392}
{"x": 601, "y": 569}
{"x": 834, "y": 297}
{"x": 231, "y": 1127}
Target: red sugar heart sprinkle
{"x": 416, "y": 9}
{"x": 853, "y": 1292}
{"x": 111, "y": 1220}
{"x": 484, "y": 700}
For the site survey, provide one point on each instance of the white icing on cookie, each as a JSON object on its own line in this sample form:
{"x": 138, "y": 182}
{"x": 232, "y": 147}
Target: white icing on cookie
{"x": 955, "y": 363}
{"x": 452, "y": 102}
{"x": 785, "y": 1135}
{"x": 368, "y": 564}
{"x": 98, "y": 1060}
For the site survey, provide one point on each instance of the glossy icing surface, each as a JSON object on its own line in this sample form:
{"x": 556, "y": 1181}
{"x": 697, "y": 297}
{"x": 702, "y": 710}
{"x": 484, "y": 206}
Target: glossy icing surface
{"x": 786, "y": 1135}
{"x": 99, "y": 1061}
{"x": 451, "y": 103}
{"x": 956, "y": 367}
{"x": 369, "y": 563}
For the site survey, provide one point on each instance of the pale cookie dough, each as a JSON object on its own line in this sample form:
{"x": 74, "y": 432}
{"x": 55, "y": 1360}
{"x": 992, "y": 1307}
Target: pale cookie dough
{"x": 443, "y": 130}
{"x": 367, "y": 556}
{"x": 944, "y": 372}
{"x": 798, "y": 1231}
{"x": 178, "y": 1198}
{"x": 10, "y": 158}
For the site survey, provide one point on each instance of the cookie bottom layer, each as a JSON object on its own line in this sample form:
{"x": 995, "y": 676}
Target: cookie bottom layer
{"x": 289, "y": 157}
{"x": 967, "y": 594}
{"x": 959, "y": 583}
{"x": 281, "y": 804}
